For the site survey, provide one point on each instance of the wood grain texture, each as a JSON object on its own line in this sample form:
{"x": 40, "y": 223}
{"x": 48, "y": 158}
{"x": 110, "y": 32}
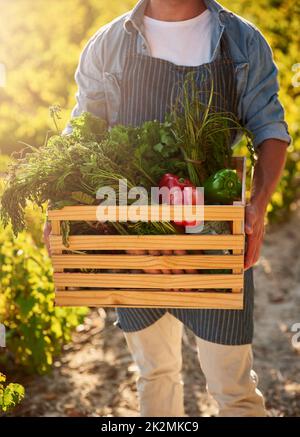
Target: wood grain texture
{"x": 144, "y": 280}
{"x": 237, "y": 228}
{"x": 149, "y": 299}
{"x": 55, "y": 230}
{"x": 86, "y": 213}
{"x": 146, "y": 242}
{"x": 148, "y": 262}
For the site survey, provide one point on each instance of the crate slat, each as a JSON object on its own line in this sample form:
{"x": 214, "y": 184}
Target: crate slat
{"x": 56, "y": 230}
{"x": 86, "y": 213}
{"x": 131, "y": 280}
{"x": 146, "y": 242}
{"x": 148, "y": 261}
{"x": 237, "y": 228}
{"x": 149, "y": 299}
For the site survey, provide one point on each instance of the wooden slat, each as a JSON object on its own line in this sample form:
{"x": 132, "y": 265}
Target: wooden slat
{"x": 149, "y": 299}
{"x": 223, "y": 212}
{"x": 56, "y": 230}
{"x": 238, "y": 228}
{"x": 85, "y": 213}
{"x": 148, "y": 262}
{"x": 160, "y": 281}
{"x": 146, "y": 242}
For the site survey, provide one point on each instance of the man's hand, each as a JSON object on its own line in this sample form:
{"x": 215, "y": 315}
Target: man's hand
{"x": 267, "y": 173}
{"x": 254, "y": 228}
{"x": 47, "y": 232}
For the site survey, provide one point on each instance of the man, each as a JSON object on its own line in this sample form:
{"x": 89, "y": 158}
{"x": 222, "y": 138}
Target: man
{"x": 126, "y": 74}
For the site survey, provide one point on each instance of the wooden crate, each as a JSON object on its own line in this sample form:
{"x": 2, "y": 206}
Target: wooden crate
{"x": 146, "y": 290}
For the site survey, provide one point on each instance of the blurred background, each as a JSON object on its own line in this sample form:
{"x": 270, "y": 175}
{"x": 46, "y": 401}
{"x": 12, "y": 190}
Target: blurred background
{"x": 74, "y": 362}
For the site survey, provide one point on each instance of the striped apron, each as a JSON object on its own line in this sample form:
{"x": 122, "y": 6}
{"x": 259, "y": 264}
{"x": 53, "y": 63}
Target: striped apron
{"x": 149, "y": 87}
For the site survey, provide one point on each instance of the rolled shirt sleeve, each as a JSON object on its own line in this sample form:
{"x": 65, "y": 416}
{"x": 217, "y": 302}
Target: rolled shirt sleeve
{"x": 89, "y": 76}
{"x": 263, "y": 114}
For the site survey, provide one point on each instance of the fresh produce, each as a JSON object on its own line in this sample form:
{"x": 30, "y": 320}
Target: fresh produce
{"x": 69, "y": 170}
{"x": 194, "y": 142}
{"x": 223, "y": 187}
{"x": 157, "y": 152}
{"x": 182, "y": 192}
{"x": 204, "y": 135}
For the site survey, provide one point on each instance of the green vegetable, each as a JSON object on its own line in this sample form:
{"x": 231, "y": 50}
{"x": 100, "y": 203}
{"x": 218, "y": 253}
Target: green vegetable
{"x": 69, "y": 170}
{"x": 88, "y": 127}
{"x": 203, "y": 134}
{"x": 157, "y": 152}
{"x": 193, "y": 142}
{"x": 223, "y": 187}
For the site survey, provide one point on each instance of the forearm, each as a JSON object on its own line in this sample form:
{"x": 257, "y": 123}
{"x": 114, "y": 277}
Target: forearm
{"x": 267, "y": 172}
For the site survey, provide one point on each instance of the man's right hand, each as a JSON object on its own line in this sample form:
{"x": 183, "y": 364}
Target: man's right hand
{"x": 47, "y": 232}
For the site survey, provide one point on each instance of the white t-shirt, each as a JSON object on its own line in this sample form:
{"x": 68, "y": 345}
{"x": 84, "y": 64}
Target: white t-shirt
{"x": 185, "y": 42}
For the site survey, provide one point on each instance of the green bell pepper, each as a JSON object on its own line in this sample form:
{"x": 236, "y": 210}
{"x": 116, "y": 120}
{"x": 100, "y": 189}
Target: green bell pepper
{"x": 222, "y": 187}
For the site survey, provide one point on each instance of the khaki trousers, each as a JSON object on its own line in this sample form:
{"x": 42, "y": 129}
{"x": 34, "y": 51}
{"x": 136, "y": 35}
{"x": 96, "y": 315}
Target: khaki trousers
{"x": 156, "y": 351}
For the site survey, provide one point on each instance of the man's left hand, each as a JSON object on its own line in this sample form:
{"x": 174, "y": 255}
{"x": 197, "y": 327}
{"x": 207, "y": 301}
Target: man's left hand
{"x": 254, "y": 228}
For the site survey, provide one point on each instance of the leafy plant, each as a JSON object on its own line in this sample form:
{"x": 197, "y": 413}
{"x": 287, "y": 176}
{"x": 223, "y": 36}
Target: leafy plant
{"x": 35, "y": 329}
{"x": 10, "y": 395}
{"x": 69, "y": 170}
{"x": 157, "y": 152}
{"x": 203, "y": 133}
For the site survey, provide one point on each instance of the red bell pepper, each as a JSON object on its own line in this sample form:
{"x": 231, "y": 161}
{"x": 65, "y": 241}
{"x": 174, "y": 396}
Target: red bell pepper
{"x": 183, "y": 192}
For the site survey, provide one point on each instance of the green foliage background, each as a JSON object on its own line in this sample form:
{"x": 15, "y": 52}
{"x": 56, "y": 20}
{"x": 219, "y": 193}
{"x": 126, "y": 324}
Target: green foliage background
{"x": 10, "y": 394}
{"x": 36, "y": 330}
{"x": 40, "y": 43}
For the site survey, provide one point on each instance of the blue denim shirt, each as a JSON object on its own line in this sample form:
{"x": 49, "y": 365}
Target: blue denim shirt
{"x": 99, "y": 72}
